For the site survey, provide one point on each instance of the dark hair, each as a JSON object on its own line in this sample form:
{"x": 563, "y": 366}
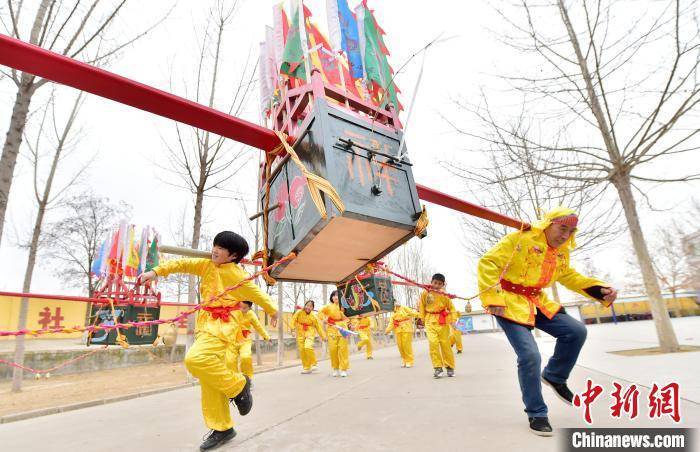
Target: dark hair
{"x": 236, "y": 245}
{"x": 249, "y": 303}
{"x": 334, "y": 293}
{"x": 438, "y": 277}
{"x": 313, "y": 305}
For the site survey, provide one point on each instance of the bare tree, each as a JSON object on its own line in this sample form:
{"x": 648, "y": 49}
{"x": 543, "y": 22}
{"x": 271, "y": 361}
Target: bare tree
{"x": 46, "y": 196}
{"x": 73, "y": 242}
{"x": 409, "y": 260}
{"x": 609, "y": 114}
{"x": 73, "y": 29}
{"x": 507, "y": 184}
{"x": 202, "y": 162}
{"x": 670, "y": 263}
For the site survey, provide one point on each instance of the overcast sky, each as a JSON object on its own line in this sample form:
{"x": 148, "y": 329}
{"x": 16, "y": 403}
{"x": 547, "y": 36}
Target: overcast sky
{"x": 127, "y": 142}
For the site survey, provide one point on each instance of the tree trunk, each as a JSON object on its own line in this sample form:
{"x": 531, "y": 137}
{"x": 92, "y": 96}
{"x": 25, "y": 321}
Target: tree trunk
{"x": 18, "y": 120}
{"x": 659, "y": 312}
{"x": 10, "y": 149}
{"x": 192, "y": 280}
{"x": 280, "y": 324}
{"x": 24, "y": 304}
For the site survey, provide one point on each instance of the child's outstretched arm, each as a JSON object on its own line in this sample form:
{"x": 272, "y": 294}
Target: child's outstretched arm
{"x": 191, "y": 266}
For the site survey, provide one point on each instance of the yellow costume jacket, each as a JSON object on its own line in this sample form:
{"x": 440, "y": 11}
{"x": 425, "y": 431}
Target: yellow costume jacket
{"x": 529, "y": 261}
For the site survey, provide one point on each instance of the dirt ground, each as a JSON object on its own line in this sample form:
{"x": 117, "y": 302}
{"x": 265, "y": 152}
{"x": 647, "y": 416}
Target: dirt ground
{"x": 69, "y": 389}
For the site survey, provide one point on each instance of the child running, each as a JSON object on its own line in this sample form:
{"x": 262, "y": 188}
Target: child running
{"x": 218, "y": 325}
{"x": 437, "y": 312}
{"x": 333, "y": 316}
{"x": 306, "y": 324}
{"x": 242, "y": 350}
{"x": 401, "y": 323}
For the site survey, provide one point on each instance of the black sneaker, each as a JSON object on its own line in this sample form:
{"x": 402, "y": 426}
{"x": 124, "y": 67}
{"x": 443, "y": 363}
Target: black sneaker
{"x": 216, "y": 438}
{"x": 459, "y": 352}
{"x": 438, "y": 372}
{"x": 540, "y": 426}
{"x": 244, "y": 400}
{"x": 561, "y": 390}
{"x": 450, "y": 372}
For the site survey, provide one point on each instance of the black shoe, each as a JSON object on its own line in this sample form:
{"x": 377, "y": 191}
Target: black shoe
{"x": 459, "y": 352}
{"x": 561, "y": 390}
{"x": 244, "y": 400}
{"x": 450, "y": 372}
{"x": 540, "y": 426}
{"x": 438, "y": 372}
{"x": 216, "y": 438}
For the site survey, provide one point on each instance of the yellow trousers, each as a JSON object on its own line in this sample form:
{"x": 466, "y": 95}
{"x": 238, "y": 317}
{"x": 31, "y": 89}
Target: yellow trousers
{"x": 365, "y": 340}
{"x": 338, "y": 349}
{"x": 404, "y": 341}
{"x": 456, "y": 338}
{"x": 440, "y": 349}
{"x": 306, "y": 351}
{"x": 243, "y": 357}
{"x": 210, "y": 360}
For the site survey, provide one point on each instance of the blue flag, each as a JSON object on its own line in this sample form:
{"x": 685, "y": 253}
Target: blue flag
{"x": 350, "y": 38}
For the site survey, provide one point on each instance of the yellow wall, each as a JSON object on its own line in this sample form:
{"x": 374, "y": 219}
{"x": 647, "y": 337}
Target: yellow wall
{"x": 73, "y": 314}
{"x": 622, "y": 307}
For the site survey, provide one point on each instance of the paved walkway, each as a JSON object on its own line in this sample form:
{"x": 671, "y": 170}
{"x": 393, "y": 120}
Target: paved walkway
{"x": 380, "y": 406}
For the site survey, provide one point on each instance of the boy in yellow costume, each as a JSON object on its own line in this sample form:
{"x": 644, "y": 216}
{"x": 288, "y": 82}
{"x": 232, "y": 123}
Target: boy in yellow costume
{"x": 306, "y": 324}
{"x": 332, "y": 315}
{"x": 512, "y": 276}
{"x": 218, "y": 325}
{"x": 363, "y": 326}
{"x": 242, "y": 350}
{"x": 456, "y": 338}
{"x": 437, "y": 313}
{"x": 401, "y": 323}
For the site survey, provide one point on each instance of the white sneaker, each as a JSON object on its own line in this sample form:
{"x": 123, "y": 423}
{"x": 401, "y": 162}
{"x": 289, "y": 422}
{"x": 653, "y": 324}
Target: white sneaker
{"x": 343, "y": 373}
{"x": 409, "y": 365}
{"x": 403, "y": 364}
{"x": 335, "y": 373}
{"x": 306, "y": 371}
{"x": 314, "y": 368}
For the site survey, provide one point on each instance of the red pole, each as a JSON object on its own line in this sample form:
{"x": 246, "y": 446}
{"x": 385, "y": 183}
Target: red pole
{"x": 67, "y": 71}
{"x": 61, "y": 69}
{"x": 445, "y": 200}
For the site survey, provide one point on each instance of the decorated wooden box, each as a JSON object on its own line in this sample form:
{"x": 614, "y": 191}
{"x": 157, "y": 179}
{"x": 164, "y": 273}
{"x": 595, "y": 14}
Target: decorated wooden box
{"x": 102, "y": 315}
{"x": 378, "y": 191}
{"x": 366, "y": 294}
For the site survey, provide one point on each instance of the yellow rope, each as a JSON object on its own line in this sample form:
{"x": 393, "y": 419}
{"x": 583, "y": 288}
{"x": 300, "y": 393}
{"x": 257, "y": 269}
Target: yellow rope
{"x": 316, "y": 184}
{"x": 422, "y": 223}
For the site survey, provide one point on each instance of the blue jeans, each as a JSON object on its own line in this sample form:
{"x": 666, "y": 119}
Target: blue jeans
{"x": 570, "y": 334}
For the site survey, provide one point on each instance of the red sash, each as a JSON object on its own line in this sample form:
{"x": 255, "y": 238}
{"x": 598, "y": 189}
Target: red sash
{"x": 305, "y": 326}
{"x": 399, "y": 322}
{"x": 245, "y": 333}
{"x": 222, "y": 313}
{"x": 519, "y": 289}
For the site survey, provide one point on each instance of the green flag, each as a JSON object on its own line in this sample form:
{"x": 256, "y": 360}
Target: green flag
{"x": 152, "y": 259}
{"x": 375, "y": 59}
{"x": 293, "y": 55}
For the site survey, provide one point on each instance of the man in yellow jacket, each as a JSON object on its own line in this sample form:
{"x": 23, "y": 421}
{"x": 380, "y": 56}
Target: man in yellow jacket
{"x": 242, "y": 350}
{"x": 512, "y": 278}
{"x": 306, "y": 324}
{"x": 217, "y": 327}
{"x": 333, "y": 316}
{"x": 437, "y": 313}
{"x": 363, "y": 326}
{"x": 401, "y": 323}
